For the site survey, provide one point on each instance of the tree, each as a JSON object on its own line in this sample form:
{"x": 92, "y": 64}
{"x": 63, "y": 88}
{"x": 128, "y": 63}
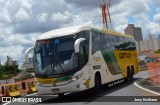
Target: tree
{"x": 8, "y": 71}
{"x": 1, "y": 70}
{"x": 158, "y": 51}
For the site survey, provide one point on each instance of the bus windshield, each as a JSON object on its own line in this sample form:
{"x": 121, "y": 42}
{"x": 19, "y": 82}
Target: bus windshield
{"x": 55, "y": 56}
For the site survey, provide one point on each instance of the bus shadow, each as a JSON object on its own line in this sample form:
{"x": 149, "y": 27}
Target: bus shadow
{"x": 88, "y": 95}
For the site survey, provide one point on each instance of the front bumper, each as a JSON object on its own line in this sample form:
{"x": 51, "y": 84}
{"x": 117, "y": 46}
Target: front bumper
{"x": 68, "y": 88}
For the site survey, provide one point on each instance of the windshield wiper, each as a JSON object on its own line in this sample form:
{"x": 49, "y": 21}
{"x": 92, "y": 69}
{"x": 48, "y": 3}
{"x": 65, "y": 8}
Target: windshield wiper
{"x": 51, "y": 54}
{"x": 56, "y": 59}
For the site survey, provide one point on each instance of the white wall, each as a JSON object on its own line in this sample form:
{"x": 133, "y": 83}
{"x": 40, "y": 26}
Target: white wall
{"x": 7, "y": 81}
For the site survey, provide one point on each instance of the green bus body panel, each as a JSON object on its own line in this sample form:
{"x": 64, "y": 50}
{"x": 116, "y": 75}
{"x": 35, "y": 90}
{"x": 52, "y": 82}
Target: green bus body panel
{"x": 111, "y": 62}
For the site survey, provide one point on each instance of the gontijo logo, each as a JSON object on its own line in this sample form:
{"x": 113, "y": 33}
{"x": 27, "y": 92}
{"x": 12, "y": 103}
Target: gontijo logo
{"x": 124, "y": 55}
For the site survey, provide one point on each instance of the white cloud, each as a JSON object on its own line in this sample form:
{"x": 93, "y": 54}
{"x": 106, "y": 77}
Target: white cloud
{"x": 22, "y": 15}
{"x": 26, "y": 4}
{"x": 61, "y": 17}
{"x": 120, "y": 24}
{"x": 129, "y": 8}
{"x": 14, "y": 51}
{"x": 156, "y": 3}
{"x": 77, "y": 19}
{"x": 42, "y": 17}
{"x": 4, "y": 17}
{"x": 18, "y": 40}
{"x": 15, "y": 45}
{"x": 157, "y": 18}
{"x": 154, "y": 27}
{"x": 5, "y": 31}
{"x": 142, "y": 21}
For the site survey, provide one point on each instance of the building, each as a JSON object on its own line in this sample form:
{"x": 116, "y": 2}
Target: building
{"x": 136, "y": 32}
{"x": 143, "y": 45}
{"x": 143, "y": 58}
{"x": 28, "y": 66}
{"x": 11, "y": 61}
{"x": 153, "y": 57}
{"x": 150, "y": 44}
{"x": 143, "y": 54}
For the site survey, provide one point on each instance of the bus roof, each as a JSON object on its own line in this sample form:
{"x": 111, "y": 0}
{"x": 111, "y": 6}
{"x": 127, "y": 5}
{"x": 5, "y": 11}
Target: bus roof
{"x": 114, "y": 33}
{"x": 64, "y": 31}
{"x": 75, "y": 29}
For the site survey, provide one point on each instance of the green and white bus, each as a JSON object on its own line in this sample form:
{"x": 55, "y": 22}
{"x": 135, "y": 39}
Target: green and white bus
{"x": 82, "y": 57}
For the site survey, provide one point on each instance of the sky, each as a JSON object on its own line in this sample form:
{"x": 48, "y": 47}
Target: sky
{"x": 22, "y": 21}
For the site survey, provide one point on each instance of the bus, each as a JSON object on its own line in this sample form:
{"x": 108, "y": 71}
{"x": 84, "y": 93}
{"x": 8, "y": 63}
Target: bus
{"x": 82, "y": 57}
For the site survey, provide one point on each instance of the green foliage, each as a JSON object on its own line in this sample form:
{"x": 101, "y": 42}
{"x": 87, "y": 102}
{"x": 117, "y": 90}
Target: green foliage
{"x": 158, "y": 51}
{"x": 125, "y": 46}
{"x": 8, "y": 71}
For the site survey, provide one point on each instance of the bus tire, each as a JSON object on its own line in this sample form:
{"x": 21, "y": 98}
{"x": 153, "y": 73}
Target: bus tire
{"x": 61, "y": 95}
{"x": 97, "y": 84}
{"x": 132, "y": 72}
{"x": 128, "y": 78}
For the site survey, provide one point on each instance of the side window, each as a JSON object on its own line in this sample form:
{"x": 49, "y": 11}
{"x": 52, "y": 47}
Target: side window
{"x": 83, "y": 56}
{"x": 118, "y": 40}
{"x": 107, "y": 42}
{"x": 125, "y": 44}
{"x": 104, "y": 41}
{"x": 86, "y": 35}
{"x": 112, "y": 42}
{"x": 121, "y": 39}
{"x": 95, "y": 41}
{"x": 133, "y": 44}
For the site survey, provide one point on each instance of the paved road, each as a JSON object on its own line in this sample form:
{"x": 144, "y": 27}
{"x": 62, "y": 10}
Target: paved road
{"x": 84, "y": 98}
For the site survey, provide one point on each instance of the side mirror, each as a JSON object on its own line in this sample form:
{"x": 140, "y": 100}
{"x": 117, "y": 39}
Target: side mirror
{"x": 26, "y": 54}
{"x": 77, "y": 44}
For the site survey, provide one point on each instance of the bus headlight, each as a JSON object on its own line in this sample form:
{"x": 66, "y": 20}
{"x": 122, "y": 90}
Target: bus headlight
{"x": 39, "y": 84}
{"x": 76, "y": 77}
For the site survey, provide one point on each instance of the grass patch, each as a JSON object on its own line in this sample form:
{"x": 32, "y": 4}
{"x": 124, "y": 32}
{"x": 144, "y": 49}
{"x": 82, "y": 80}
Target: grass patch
{"x": 143, "y": 69}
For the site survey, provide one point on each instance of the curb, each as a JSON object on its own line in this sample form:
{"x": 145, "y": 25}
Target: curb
{"x": 153, "y": 92}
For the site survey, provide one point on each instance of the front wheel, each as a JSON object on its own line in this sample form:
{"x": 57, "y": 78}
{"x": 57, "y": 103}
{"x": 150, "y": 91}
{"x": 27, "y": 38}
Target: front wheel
{"x": 97, "y": 85}
{"x": 61, "y": 95}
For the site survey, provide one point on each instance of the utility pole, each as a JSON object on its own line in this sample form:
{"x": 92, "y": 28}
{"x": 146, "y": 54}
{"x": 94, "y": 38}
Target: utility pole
{"x": 104, "y": 18}
{"x": 105, "y": 13}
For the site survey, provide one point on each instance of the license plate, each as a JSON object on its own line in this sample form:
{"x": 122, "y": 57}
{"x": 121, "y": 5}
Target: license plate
{"x": 55, "y": 90}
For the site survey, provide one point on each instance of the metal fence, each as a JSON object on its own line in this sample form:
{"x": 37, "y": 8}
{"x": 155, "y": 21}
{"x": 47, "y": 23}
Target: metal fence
{"x": 154, "y": 71}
